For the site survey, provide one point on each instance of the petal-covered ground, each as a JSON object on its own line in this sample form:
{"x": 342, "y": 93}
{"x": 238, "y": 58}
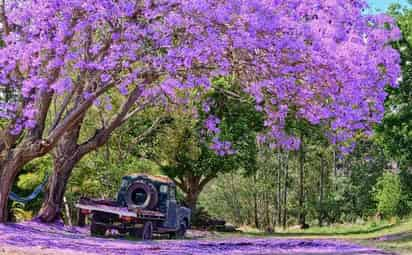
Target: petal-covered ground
{"x": 36, "y": 238}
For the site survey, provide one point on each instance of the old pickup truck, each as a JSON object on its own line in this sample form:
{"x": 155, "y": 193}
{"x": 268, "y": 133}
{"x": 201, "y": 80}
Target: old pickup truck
{"x": 145, "y": 205}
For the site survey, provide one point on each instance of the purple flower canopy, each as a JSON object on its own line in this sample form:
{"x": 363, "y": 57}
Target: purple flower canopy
{"x": 322, "y": 61}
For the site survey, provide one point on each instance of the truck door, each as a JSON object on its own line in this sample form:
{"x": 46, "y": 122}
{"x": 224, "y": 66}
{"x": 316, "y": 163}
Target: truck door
{"x": 171, "y": 221}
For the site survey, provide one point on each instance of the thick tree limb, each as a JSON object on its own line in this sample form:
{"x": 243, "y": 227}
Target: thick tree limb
{"x": 104, "y": 134}
{"x": 205, "y": 181}
{"x": 63, "y": 108}
{"x": 180, "y": 185}
{"x": 43, "y": 104}
{"x": 72, "y": 118}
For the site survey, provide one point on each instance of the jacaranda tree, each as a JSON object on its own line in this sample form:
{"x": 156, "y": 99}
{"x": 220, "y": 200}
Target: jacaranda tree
{"x": 319, "y": 60}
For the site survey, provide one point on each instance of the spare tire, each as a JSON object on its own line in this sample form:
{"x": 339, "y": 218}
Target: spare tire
{"x": 141, "y": 195}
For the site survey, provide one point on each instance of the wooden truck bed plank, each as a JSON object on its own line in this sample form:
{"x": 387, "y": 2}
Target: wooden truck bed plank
{"x": 121, "y": 211}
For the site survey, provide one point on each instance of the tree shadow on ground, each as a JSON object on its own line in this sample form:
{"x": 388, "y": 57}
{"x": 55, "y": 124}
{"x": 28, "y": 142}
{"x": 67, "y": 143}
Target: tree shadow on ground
{"x": 325, "y": 234}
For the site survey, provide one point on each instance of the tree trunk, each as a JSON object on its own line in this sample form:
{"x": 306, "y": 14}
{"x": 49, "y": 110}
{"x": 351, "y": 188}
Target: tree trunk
{"x": 270, "y": 228}
{"x": 53, "y": 201}
{"x": 65, "y": 157}
{"x": 10, "y": 166}
{"x": 255, "y": 203}
{"x": 8, "y": 173}
{"x": 279, "y": 191}
{"x": 235, "y": 201}
{"x": 191, "y": 200}
{"x": 285, "y": 192}
{"x": 321, "y": 189}
{"x": 302, "y": 214}
{"x": 335, "y": 170}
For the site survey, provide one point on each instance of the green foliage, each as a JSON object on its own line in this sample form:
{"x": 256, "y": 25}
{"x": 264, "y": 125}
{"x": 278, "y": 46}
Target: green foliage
{"x": 30, "y": 176}
{"x": 395, "y": 132}
{"x": 387, "y": 194}
{"x": 365, "y": 166}
{"x": 99, "y": 176}
{"x": 19, "y": 213}
{"x": 182, "y": 148}
{"x": 34, "y": 173}
{"x": 405, "y": 205}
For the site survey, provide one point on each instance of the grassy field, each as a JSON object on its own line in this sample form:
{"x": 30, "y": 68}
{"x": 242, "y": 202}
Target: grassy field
{"x": 393, "y": 237}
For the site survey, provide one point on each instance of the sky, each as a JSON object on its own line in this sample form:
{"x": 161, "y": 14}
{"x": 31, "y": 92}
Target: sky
{"x": 382, "y": 5}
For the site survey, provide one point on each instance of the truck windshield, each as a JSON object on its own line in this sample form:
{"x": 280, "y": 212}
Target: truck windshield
{"x": 124, "y": 184}
{"x": 172, "y": 193}
{"x": 163, "y": 189}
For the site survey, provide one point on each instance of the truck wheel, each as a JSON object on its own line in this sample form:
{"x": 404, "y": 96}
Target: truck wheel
{"x": 144, "y": 233}
{"x": 97, "y": 230}
{"x": 180, "y": 233}
{"x": 81, "y": 219}
{"x": 182, "y": 230}
{"x": 122, "y": 231}
{"x": 147, "y": 231}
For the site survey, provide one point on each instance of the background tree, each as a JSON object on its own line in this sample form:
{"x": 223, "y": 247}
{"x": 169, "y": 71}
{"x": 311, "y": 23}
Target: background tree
{"x": 191, "y": 152}
{"x": 395, "y": 130}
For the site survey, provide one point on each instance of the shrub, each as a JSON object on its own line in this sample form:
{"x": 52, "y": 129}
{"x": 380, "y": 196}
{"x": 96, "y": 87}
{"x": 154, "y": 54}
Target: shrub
{"x": 387, "y": 194}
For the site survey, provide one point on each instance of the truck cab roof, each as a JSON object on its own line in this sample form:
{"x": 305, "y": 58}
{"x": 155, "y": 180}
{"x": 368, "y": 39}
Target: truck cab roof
{"x": 154, "y": 178}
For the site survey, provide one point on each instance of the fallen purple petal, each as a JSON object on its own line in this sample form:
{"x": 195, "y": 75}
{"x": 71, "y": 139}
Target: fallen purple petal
{"x": 74, "y": 240}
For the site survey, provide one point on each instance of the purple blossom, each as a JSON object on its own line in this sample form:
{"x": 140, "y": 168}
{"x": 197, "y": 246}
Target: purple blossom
{"x": 211, "y": 124}
{"x": 105, "y": 78}
{"x": 62, "y": 85}
{"x": 206, "y": 106}
{"x": 222, "y": 148}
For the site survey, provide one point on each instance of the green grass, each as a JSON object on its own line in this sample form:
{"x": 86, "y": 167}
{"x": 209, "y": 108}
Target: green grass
{"x": 394, "y": 237}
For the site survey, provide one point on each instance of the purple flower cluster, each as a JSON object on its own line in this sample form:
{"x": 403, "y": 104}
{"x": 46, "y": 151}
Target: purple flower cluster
{"x": 211, "y": 124}
{"x": 222, "y": 148}
{"x": 323, "y": 61}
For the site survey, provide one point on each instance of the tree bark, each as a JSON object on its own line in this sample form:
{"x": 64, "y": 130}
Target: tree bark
{"x": 268, "y": 226}
{"x": 8, "y": 173}
{"x": 65, "y": 156}
{"x": 302, "y": 214}
{"x": 255, "y": 203}
{"x": 279, "y": 191}
{"x": 192, "y": 186}
{"x": 53, "y": 201}
{"x": 191, "y": 200}
{"x": 321, "y": 189}
{"x": 285, "y": 192}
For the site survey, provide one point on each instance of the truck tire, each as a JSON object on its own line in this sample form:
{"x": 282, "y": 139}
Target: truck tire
{"x": 180, "y": 233}
{"x": 147, "y": 233}
{"x": 81, "y": 219}
{"x": 142, "y": 195}
{"x": 97, "y": 230}
{"x": 144, "y": 233}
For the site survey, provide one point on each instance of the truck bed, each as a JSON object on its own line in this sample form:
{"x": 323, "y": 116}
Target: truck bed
{"x": 108, "y": 206}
